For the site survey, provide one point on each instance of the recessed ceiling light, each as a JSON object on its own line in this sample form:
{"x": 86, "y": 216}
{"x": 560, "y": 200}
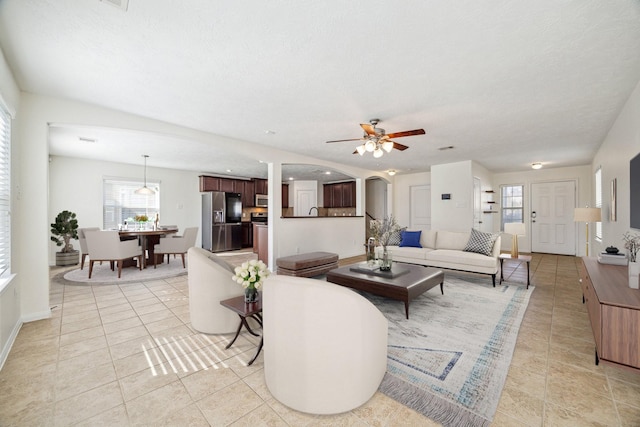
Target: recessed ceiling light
{"x": 448, "y": 147}
{"x": 228, "y": 170}
{"x": 327, "y": 173}
{"x": 270, "y": 132}
{"x": 391, "y": 172}
{"x": 290, "y": 178}
{"x": 536, "y": 165}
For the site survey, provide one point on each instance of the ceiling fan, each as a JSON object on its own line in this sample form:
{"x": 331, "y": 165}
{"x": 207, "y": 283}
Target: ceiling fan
{"x": 377, "y": 141}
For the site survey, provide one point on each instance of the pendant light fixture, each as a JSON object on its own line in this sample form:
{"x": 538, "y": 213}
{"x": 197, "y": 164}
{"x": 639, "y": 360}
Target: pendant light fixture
{"x": 145, "y": 190}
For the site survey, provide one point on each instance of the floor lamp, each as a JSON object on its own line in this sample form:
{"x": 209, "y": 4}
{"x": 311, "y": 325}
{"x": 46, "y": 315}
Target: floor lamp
{"x": 516, "y": 229}
{"x": 587, "y": 215}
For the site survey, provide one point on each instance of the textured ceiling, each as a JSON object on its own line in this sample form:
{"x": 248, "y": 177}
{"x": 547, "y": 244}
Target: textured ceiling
{"x": 506, "y": 83}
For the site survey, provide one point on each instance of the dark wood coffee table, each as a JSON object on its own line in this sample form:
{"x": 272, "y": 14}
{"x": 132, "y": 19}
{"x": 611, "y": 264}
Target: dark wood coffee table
{"x": 401, "y": 286}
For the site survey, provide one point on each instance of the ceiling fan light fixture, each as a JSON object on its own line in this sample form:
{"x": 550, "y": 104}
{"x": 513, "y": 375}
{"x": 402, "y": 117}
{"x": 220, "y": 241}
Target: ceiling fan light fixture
{"x": 536, "y": 165}
{"x": 370, "y": 146}
{"x": 377, "y": 153}
{"x": 361, "y": 149}
{"x": 387, "y": 146}
{"x": 391, "y": 172}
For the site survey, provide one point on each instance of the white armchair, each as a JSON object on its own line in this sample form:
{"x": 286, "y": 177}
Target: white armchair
{"x": 325, "y": 346}
{"x": 176, "y": 245}
{"x": 209, "y": 278}
{"x": 83, "y": 243}
{"x": 106, "y": 246}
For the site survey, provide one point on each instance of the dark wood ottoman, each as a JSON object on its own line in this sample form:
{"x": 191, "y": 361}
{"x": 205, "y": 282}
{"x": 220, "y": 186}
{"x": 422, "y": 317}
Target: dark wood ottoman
{"x": 307, "y": 265}
{"x": 404, "y": 286}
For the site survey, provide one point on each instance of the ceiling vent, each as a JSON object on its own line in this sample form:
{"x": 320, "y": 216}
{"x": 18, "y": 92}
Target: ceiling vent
{"x": 120, "y": 4}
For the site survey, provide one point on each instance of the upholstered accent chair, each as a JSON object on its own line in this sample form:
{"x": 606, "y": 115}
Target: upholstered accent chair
{"x": 176, "y": 245}
{"x": 106, "y": 246}
{"x": 83, "y": 243}
{"x": 325, "y": 346}
{"x": 209, "y": 279}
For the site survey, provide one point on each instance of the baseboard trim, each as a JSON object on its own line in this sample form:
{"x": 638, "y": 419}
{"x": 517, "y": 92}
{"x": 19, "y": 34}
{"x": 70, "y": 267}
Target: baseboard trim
{"x": 9, "y": 344}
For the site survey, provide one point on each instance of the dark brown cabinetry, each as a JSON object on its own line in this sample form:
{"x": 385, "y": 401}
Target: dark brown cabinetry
{"x": 247, "y": 234}
{"x": 248, "y": 191}
{"x": 285, "y": 195}
{"x": 209, "y": 183}
{"x": 340, "y": 195}
{"x": 228, "y": 185}
{"x": 261, "y": 186}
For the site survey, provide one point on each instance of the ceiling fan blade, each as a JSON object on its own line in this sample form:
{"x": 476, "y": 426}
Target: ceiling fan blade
{"x": 406, "y": 133}
{"x": 399, "y": 146}
{"x": 343, "y": 140}
{"x": 369, "y": 129}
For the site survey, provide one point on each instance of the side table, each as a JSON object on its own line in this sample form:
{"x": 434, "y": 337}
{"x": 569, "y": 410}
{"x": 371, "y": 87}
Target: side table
{"x": 519, "y": 259}
{"x": 244, "y": 310}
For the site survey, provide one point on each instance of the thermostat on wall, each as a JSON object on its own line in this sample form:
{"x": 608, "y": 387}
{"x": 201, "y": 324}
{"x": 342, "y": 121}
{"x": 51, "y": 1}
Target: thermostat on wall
{"x": 446, "y": 196}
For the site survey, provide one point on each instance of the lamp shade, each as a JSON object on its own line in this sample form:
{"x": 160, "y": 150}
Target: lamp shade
{"x": 515, "y": 228}
{"x": 587, "y": 215}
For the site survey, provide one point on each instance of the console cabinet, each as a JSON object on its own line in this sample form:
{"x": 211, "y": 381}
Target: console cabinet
{"x": 614, "y": 312}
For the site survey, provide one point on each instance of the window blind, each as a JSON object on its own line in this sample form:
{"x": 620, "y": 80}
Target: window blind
{"x": 121, "y": 203}
{"x": 5, "y": 191}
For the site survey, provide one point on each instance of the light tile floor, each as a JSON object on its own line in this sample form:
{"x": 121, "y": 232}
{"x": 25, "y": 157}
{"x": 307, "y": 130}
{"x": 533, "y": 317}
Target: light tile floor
{"x": 125, "y": 355}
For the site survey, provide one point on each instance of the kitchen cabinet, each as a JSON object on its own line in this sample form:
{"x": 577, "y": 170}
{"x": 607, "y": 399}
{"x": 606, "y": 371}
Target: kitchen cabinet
{"x": 228, "y": 185}
{"x": 285, "y": 195}
{"x": 261, "y": 186}
{"x": 247, "y": 235}
{"x": 248, "y": 193}
{"x": 340, "y": 195}
{"x": 209, "y": 183}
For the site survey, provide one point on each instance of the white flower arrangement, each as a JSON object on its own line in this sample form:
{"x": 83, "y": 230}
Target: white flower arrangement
{"x": 251, "y": 274}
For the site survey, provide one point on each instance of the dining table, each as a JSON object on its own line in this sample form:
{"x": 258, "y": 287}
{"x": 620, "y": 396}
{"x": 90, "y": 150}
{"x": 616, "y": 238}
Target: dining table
{"x": 148, "y": 239}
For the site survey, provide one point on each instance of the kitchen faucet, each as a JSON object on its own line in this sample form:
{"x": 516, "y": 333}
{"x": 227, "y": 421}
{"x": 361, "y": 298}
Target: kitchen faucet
{"x": 317, "y": 211}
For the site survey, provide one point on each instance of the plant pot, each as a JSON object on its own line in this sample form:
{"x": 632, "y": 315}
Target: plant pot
{"x": 67, "y": 258}
{"x": 634, "y": 272}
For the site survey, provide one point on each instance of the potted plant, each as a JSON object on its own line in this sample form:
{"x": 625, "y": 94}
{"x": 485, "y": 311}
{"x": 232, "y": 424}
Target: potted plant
{"x": 64, "y": 229}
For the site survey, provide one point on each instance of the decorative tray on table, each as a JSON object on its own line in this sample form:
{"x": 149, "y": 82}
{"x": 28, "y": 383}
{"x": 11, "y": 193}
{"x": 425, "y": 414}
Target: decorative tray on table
{"x": 374, "y": 269}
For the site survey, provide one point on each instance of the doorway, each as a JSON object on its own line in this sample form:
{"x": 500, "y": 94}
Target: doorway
{"x": 552, "y": 228}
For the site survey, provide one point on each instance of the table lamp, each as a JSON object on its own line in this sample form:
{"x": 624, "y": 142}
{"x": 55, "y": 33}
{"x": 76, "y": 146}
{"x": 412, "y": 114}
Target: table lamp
{"x": 587, "y": 215}
{"x": 516, "y": 229}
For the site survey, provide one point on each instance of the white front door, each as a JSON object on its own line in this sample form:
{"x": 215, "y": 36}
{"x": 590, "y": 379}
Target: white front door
{"x": 552, "y": 228}
{"x": 420, "y": 207}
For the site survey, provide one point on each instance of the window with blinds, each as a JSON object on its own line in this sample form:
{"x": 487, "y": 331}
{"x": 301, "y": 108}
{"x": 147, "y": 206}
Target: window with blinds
{"x": 512, "y": 204}
{"x": 121, "y": 203}
{"x": 5, "y": 192}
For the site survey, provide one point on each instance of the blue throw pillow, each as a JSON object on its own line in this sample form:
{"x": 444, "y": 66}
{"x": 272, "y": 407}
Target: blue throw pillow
{"x": 410, "y": 239}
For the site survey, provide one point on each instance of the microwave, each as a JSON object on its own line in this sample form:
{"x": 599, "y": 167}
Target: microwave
{"x": 262, "y": 200}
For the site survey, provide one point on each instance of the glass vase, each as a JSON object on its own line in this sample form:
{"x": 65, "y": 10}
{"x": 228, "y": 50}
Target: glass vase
{"x": 634, "y": 272}
{"x": 250, "y": 295}
{"x": 386, "y": 261}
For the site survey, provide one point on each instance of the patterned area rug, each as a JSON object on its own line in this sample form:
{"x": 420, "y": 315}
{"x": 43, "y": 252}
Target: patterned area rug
{"x": 449, "y": 361}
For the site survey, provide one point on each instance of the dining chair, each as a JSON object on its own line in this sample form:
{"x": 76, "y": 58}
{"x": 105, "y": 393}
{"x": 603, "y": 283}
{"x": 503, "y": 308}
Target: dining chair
{"x": 106, "y": 246}
{"x": 176, "y": 245}
{"x": 83, "y": 243}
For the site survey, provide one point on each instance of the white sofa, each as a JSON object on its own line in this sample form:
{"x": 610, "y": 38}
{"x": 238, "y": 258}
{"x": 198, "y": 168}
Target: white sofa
{"x": 445, "y": 249}
{"x": 209, "y": 278}
{"x": 325, "y": 346}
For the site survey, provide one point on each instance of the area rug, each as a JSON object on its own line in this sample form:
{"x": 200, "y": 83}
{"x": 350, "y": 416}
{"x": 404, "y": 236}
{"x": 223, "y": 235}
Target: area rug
{"x": 102, "y": 273}
{"x": 449, "y": 361}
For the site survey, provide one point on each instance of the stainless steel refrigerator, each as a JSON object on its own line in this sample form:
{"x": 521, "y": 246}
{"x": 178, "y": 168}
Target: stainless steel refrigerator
{"x": 221, "y": 221}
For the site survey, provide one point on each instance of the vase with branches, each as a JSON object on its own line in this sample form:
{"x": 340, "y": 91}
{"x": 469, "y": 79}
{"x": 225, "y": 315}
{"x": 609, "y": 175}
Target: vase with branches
{"x": 381, "y": 230}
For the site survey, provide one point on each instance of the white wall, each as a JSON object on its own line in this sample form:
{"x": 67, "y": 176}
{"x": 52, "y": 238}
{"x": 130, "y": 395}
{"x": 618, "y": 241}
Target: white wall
{"x": 76, "y": 185}
{"x": 621, "y": 144}
{"x": 455, "y": 179}
{"x": 402, "y": 194}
